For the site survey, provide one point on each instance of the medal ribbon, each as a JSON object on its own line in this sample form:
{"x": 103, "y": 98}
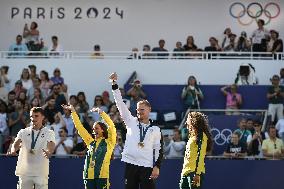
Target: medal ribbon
{"x": 34, "y": 140}
{"x": 143, "y": 131}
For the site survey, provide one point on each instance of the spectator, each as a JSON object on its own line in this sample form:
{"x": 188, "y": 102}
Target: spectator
{"x": 273, "y": 147}
{"x": 258, "y": 37}
{"x": 57, "y": 79}
{"x": 106, "y": 101}
{"x": 23, "y": 97}
{"x": 244, "y": 134}
{"x": 18, "y": 49}
{"x": 250, "y": 125}
{"x": 4, "y": 77}
{"x": 3, "y": 92}
{"x": 82, "y": 105}
{"x": 275, "y": 96}
{"x": 280, "y": 128}
{"x": 49, "y": 109}
{"x": 79, "y": 149}
{"x": 190, "y": 45}
{"x": 4, "y": 131}
{"x": 233, "y": 99}
{"x": 134, "y": 54}
{"x": 118, "y": 146}
{"x": 192, "y": 94}
{"x": 246, "y": 75}
{"x": 236, "y": 148}
{"x": 45, "y": 84}
{"x": 32, "y": 37}
{"x": 55, "y": 49}
{"x": 276, "y": 44}
{"x": 69, "y": 123}
{"x": 33, "y": 73}
{"x": 11, "y": 102}
{"x": 214, "y": 46}
{"x": 58, "y": 96}
{"x": 125, "y": 98}
{"x": 254, "y": 147}
{"x": 98, "y": 103}
{"x": 38, "y": 95}
{"x": 31, "y": 91}
{"x": 174, "y": 147}
{"x": 63, "y": 145}
{"x": 178, "y": 50}
{"x": 19, "y": 88}
{"x": 161, "y": 49}
{"x": 35, "y": 103}
{"x": 225, "y": 41}
{"x": 57, "y": 124}
{"x": 97, "y": 52}
{"x": 26, "y": 80}
{"x": 73, "y": 100}
{"x": 232, "y": 43}
{"x": 147, "y": 52}
{"x": 243, "y": 44}
{"x": 17, "y": 119}
{"x": 136, "y": 93}
{"x": 281, "y": 77}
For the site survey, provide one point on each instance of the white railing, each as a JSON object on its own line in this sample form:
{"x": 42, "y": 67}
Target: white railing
{"x": 143, "y": 55}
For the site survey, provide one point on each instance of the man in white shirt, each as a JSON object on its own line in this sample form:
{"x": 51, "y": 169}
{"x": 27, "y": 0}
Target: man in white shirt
{"x": 63, "y": 145}
{"x": 174, "y": 147}
{"x": 36, "y": 144}
{"x": 259, "y": 36}
{"x": 143, "y": 151}
{"x": 280, "y": 128}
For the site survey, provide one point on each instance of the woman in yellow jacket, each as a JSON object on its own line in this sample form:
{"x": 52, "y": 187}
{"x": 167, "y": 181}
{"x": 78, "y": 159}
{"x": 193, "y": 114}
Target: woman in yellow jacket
{"x": 199, "y": 142}
{"x": 100, "y": 149}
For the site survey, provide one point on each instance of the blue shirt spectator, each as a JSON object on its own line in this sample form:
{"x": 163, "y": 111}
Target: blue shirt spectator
{"x": 18, "y": 49}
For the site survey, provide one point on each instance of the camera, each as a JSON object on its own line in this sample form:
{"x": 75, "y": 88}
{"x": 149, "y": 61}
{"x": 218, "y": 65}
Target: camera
{"x": 244, "y": 71}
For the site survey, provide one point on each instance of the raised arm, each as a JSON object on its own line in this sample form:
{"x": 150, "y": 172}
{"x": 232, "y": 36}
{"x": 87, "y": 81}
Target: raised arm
{"x": 111, "y": 127}
{"x": 123, "y": 110}
{"x": 88, "y": 139}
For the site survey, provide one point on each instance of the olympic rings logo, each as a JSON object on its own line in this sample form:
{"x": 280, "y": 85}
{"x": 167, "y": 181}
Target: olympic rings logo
{"x": 254, "y": 11}
{"x": 221, "y": 137}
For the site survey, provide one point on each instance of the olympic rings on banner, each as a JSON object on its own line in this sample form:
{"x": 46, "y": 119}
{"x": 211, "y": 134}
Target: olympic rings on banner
{"x": 221, "y": 137}
{"x": 254, "y": 10}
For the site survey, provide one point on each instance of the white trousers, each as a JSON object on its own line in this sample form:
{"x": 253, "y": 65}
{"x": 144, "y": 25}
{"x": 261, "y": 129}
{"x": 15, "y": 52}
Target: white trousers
{"x": 28, "y": 182}
{"x": 275, "y": 109}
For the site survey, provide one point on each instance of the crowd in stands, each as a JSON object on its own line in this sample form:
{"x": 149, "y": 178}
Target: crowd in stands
{"x": 261, "y": 40}
{"x": 33, "y": 89}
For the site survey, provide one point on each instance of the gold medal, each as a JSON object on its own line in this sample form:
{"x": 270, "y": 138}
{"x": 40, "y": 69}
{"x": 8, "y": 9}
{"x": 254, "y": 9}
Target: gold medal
{"x": 141, "y": 144}
{"x": 32, "y": 151}
{"x": 92, "y": 164}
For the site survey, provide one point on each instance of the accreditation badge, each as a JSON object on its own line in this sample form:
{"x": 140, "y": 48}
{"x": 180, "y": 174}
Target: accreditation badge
{"x": 32, "y": 151}
{"x": 141, "y": 144}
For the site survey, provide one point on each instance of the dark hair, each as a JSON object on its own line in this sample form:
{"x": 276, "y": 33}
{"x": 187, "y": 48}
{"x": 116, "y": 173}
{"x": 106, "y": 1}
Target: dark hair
{"x": 64, "y": 129}
{"x": 73, "y": 96}
{"x": 81, "y": 93}
{"x": 261, "y": 21}
{"x": 197, "y": 123}
{"x": 98, "y": 96}
{"x": 12, "y": 93}
{"x": 111, "y": 105}
{"x": 25, "y": 69}
{"x": 97, "y": 47}
{"x": 19, "y": 36}
{"x": 45, "y": 74}
{"x": 161, "y": 40}
{"x": 37, "y": 110}
{"x": 103, "y": 127}
{"x": 36, "y": 25}
{"x": 54, "y": 38}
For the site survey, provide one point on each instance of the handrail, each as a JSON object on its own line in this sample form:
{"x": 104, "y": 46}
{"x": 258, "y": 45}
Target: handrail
{"x": 202, "y": 55}
{"x": 224, "y": 110}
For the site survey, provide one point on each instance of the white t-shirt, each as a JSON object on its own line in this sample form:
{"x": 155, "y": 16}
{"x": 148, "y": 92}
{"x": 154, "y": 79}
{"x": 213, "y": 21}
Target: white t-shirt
{"x": 280, "y": 126}
{"x": 55, "y": 127}
{"x": 258, "y": 35}
{"x": 27, "y": 84}
{"x": 175, "y": 149}
{"x": 60, "y": 150}
{"x": 33, "y": 164}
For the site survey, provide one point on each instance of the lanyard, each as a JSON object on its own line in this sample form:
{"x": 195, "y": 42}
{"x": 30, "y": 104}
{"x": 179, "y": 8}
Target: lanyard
{"x": 34, "y": 140}
{"x": 143, "y": 131}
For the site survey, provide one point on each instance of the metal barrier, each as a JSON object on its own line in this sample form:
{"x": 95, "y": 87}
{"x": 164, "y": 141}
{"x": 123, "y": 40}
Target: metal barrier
{"x": 201, "y": 55}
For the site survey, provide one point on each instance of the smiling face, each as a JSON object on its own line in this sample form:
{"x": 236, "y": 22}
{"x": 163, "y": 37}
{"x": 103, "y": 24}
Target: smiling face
{"x": 97, "y": 130}
{"x": 143, "y": 111}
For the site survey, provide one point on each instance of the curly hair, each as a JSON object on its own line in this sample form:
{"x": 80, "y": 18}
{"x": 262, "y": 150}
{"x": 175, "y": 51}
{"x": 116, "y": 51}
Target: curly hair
{"x": 197, "y": 123}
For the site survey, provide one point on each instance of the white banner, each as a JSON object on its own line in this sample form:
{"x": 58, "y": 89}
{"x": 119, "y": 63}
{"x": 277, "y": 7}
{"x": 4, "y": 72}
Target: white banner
{"x": 123, "y": 24}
